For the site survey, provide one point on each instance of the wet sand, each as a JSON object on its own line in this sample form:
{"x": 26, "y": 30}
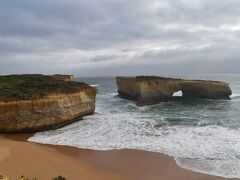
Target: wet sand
{"x": 18, "y": 157}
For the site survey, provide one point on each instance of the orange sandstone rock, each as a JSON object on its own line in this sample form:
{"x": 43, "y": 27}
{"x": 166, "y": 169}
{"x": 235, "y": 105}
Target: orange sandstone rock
{"x": 148, "y": 90}
{"x": 48, "y": 111}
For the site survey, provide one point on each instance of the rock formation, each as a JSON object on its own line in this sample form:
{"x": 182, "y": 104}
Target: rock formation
{"x": 31, "y": 103}
{"x": 63, "y": 77}
{"x": 148, "y": 90}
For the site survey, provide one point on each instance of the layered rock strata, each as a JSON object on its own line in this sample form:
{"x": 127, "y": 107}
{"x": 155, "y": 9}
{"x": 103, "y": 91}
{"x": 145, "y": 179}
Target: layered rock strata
{"x": 148, "y": 90}
{"x": 32, "y": 110}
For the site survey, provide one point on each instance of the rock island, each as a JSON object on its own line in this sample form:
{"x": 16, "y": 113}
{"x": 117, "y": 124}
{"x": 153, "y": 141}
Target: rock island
{"x": 147, "y": 90}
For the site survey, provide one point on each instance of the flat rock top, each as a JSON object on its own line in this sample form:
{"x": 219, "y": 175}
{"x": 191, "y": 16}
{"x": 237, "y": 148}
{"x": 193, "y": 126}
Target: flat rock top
{"x": 35, "y": 86}
{"x": 159, "y": 78}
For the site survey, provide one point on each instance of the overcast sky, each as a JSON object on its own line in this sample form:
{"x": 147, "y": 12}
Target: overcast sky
{"x": 119, "y": 37}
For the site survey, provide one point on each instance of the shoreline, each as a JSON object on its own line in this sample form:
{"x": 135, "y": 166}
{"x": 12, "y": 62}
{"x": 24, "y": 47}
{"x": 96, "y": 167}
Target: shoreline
{"x": 19, "y": 157}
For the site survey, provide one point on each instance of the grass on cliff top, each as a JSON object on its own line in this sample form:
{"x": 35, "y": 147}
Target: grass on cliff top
{"x": 25, "y": 87}
{"x": 173, "y": 79}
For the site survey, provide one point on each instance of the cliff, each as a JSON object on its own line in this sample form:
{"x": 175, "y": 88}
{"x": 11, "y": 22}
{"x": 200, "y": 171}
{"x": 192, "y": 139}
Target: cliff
{"x": 63, "y": 77}
{"x": 31, "y": 103}
{"x": 152, "y": 89}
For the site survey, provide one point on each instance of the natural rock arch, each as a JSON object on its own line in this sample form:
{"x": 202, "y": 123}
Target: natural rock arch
{"x": 151, "y": 89}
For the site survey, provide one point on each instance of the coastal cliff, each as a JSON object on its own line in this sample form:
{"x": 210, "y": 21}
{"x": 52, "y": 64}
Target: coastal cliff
{"x": 32, "y": 103}
{"x": 148, "y": 90}
{"x": 63, "y": 77}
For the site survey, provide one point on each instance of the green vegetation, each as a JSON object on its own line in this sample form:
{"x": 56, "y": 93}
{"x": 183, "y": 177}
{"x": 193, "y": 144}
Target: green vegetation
{"x": 25, "y": 87}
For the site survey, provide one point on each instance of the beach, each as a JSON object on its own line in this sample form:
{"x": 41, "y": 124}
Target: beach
{"x": 19, "y": 157}
{"x": 120, "y": 90}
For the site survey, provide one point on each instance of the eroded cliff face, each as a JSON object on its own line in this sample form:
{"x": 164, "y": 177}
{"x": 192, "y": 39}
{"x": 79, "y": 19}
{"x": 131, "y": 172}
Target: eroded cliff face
{"x": 151, "y": 90}
{"x": 46, "y": 113}
{"x": 31, "y": 103}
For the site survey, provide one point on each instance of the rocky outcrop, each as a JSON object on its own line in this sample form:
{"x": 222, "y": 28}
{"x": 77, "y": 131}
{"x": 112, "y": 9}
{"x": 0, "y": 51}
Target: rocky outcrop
{"x": 148, "y": 90}
{"x": 63, "y": 77}
{"x": 68, "y": 103}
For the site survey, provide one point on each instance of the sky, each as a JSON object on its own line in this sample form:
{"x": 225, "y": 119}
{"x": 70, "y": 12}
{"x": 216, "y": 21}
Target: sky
{"x": 119, "y": 37}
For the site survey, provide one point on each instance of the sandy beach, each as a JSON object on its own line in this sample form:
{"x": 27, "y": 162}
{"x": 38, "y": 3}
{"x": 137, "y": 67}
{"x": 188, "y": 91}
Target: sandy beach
{"x": 19, "y": 157}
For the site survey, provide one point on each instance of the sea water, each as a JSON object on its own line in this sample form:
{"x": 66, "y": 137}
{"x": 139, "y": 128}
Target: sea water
{"x": 202, "y": 135}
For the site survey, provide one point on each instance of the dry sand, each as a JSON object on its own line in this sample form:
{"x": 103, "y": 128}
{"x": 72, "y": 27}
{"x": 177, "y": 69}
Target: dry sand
{"x": 18, "y": 157}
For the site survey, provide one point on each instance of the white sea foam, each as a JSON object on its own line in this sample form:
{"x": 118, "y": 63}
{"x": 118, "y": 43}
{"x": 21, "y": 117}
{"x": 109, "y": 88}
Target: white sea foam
{"x": 214, "y": 147}
{"x": 202, "y": 144}
{"x": 213, "y": 167}
{"x": 235, "y": 96}
{"x": 113, "y": 94}
{"x": 94, "y": 85}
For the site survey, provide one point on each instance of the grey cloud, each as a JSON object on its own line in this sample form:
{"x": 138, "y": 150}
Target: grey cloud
{"x": 73, "y": 35}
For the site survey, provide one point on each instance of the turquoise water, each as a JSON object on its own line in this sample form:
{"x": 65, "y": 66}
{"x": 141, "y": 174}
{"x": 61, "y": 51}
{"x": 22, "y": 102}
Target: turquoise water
{"x": 202, "y": 135}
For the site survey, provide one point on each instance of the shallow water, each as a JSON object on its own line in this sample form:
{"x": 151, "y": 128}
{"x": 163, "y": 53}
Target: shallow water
{"x": 202, "y": 135}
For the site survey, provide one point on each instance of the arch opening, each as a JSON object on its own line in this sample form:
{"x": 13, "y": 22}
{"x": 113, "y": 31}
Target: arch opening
{"x": 178, "y": 94}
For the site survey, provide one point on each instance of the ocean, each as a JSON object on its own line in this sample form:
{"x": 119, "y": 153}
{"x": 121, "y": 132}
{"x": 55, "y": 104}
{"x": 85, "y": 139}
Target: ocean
{"x": 202, "y": 135}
